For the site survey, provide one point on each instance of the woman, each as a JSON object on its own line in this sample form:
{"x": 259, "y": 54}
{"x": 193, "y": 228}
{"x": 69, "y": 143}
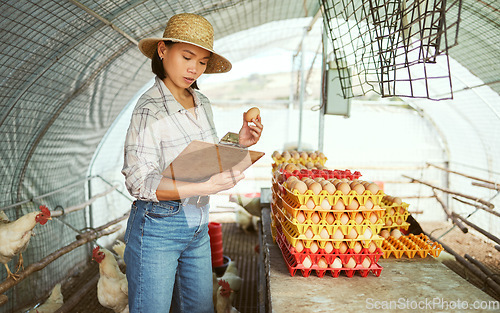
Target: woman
{"x": 168, "y": 248}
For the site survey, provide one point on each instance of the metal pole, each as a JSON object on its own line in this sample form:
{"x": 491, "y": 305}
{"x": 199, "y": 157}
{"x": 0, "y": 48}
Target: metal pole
{"x": 321, "y": 126}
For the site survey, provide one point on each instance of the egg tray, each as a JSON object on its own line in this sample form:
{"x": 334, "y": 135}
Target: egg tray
{"x": 301, "y": 160}
{"x": 325, "y": 173}
{"x": 294, "y": 266}
{"x": 317, "y": 228}
{"x": 395, "y": 208}
{"x": 410, "y": 246}
{"x": 297, "y": 198}
{"x": 393, "y": 219}
{"x": 292, "y": 236}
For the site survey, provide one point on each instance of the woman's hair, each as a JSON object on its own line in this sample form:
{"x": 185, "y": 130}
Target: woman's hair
{"x": 157, "y": 65}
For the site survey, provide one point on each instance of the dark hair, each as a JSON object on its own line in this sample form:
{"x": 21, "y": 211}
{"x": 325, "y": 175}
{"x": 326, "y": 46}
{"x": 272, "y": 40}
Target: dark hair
{"x": 157, "y": 65}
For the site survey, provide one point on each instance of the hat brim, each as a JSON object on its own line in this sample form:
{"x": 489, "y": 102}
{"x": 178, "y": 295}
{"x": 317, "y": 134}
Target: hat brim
{"x": 216, "y": 64}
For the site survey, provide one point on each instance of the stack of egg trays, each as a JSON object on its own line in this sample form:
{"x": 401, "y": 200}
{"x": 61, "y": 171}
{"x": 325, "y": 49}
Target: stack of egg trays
{"x": 325, "y": 173}
{"x": 294, "y": 259}
{"x": 287, "y": 215}
{"x": 302, "y": 161}
{"x": 394, "y": 212}
{"x": 410, "y": 246}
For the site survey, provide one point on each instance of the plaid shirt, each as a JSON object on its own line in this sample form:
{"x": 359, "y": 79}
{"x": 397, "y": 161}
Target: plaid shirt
{"x": 160, "y": 128}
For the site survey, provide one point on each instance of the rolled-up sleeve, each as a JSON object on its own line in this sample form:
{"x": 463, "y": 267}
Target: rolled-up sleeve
{"x": 142, "y": 155}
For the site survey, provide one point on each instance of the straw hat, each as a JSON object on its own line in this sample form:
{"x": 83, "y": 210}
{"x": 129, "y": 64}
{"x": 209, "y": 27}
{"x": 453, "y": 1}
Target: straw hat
{"x": 193, "y": 29}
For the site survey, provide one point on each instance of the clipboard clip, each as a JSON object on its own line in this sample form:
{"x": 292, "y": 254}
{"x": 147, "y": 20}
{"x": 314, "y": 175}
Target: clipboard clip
{"x": 231, "y": 139}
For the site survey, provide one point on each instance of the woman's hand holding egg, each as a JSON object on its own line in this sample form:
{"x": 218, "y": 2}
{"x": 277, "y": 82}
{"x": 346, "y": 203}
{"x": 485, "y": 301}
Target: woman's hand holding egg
{"x": 250, "y": 133}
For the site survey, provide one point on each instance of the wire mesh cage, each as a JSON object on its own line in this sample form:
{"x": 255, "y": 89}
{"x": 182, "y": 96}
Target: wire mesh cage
{"x": 392, "y": 47}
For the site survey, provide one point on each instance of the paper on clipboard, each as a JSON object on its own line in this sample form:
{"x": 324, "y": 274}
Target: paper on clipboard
{"x": 200, "y": 160}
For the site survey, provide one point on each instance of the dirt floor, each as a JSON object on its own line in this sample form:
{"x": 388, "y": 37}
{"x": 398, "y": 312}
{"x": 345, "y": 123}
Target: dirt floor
{"x": 471, "y": 243}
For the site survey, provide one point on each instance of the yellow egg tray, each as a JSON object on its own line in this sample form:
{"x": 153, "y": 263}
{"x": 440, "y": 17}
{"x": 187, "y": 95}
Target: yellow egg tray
{"x": 293, "y": 236}
{"x": 302, "y": 161}
{"x": 298, "y": 198}
{"x": 410, "y": 246}
{"x": 394, "y": 218}
{"x": 395, "y": 208}
{"x": 317, "y": 228}
{"x": 293, "y": 210}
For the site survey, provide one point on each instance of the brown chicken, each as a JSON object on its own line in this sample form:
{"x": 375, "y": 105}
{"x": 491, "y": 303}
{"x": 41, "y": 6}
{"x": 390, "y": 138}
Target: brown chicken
{"x": 112, "y": 287}
{"x": 15, "y": 236}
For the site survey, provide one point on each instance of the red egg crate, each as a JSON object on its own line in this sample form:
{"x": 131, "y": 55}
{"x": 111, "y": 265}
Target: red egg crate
{"x": 294, "y": 262}
{"x": 410, "y": 246}
{"x": 325, "y": 173}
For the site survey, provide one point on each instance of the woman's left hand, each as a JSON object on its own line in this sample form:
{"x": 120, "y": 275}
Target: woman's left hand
{"x": 250, "y": 134}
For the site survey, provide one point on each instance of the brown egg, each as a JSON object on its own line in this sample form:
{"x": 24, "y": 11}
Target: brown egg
{"x": 299, "y": 246}
{"x": 339, "y": 205}
{"x": 295, "y": 155}
{"x": 309, "y": 165}
{"x": 369, "y": 204}
{"x": 388, "y": 222}
{"x": 300, "y": 186}
{"x": 322, "y": 263}
{"x": 342, "y": 248}
{"x": 353, "y": 234}
{"x": 290, "y": 167}
{"x": 397, "y": 200}
{"x": 366, "y": 263}
{"x": 328, "y": 247}
{"x": 396, "y": 233}
{"x": 373, "y": 188}
{"x": 359, "y": 189}
{"x": 314, "y": 247}
{"x": 351, "y": 263}
{"x": 315, "y": 188}
{"x": 301, "y": 218}
{"x": 399, "y": 221}
{"x": 329, "y": 187}
{"x": 286, "y": 155}
{"x": 276, "y": 155}
{"x": 310, "y": 204}
{"x": 290, "y": 180}
{"x": 313, "y": 155}
{"x": 324, "y": 234}
{"x": 343, "y": 187}
{"x": 372, "y": 247}
{"x": 338, "y": 235}
{"x": 303, "y": 155}
{"x": 251, "y": 114}
{"x": 309, "y": 233}
{"x": 344, "y": 219}
{"x": 354, "y": 205}
{"x": 357, "y": 247}
{"x": 359, "y": 218}
{"x": 319, "y": 180}
{"x": 373, "y": 218}
{"x": 337, "y": 263}
{"x": 385, "y": 233}
{"x": 330, "y": 218}
{"x": 315, "y": 218}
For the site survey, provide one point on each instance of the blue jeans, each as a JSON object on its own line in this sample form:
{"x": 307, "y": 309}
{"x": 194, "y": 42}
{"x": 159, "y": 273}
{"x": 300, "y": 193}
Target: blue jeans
{"x": 168, "y": 258}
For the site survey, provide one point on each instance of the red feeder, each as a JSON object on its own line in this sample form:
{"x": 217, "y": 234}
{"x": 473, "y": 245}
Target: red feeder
{"x": 215, "y": 233}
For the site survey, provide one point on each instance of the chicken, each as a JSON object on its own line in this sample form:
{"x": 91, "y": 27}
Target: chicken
{"x": 119, "y": 248}
{"x": 112, "y": 287}
{"x": 244, "y": 219}
{"x": 53, "y": 303}
{"x": 223, "y": 298}
{"x": 232, "y": 278}
{"x": 15, "y": 236}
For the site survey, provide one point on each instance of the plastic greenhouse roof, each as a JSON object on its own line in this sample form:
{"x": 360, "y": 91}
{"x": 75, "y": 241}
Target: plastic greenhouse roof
{"x": 68, "y": 68}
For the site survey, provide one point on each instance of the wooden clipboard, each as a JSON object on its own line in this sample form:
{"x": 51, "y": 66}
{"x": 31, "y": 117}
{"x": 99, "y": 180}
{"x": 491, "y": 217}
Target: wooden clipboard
{"x": 200, "y": 160}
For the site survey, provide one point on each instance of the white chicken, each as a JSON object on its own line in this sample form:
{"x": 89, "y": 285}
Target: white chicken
{"x": 112, "y": 287}
{"x": 224, "y": 301}
{"x": 53, "y": 303}
{"x": 119, "y": 248}
{"x": 244, "y": 219}
{"x": 15, "y": 236}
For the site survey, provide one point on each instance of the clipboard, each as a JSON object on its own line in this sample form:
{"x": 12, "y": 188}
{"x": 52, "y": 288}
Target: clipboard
{"x": 200, "y": 160}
